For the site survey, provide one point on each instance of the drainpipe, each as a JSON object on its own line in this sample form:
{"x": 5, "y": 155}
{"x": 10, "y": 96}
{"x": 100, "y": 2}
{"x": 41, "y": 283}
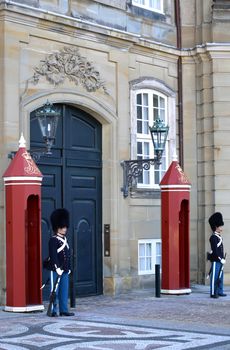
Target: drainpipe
{"x": 180, "y": 84}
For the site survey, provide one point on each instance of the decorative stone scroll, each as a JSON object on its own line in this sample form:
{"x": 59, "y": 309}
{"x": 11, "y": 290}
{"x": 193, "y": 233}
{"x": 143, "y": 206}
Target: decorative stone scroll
{"x": 68, "y": 63}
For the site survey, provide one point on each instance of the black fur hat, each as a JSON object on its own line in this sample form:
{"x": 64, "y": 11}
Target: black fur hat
{"x": 59, "y": 219}
{"x": 215, "y": 221}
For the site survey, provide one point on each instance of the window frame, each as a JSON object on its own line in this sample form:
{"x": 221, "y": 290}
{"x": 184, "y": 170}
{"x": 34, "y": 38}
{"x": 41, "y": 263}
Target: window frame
{"x": 153, "y": 243}
{"x": 147, "y": 6}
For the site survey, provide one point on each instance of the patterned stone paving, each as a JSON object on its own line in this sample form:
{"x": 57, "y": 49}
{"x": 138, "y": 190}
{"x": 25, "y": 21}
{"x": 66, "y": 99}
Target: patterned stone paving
{"x": 71, "y": 334}
{"x": 130, "y": 321}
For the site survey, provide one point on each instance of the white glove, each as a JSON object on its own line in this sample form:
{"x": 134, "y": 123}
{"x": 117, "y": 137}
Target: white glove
{"x": 223, "y": 261}
{"x": 69, "y": 272}
{"x": 59, "y": 271}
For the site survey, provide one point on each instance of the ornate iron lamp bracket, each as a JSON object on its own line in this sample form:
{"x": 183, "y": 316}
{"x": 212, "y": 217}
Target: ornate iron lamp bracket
{"x": 132, "y": 169}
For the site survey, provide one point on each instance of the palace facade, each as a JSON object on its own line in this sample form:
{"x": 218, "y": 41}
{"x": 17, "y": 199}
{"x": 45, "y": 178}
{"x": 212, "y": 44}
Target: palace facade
{"x": 112, "y": 68}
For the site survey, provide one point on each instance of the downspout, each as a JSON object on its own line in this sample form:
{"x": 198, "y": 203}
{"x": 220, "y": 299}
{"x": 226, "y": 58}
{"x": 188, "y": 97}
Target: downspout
{"x": 180, "y": 84}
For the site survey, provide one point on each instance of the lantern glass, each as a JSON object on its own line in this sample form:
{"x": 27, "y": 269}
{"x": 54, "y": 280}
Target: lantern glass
{"x": 48, "y": 126}
{"x": 159, "y": 133}
{"x": 48, "y": 120}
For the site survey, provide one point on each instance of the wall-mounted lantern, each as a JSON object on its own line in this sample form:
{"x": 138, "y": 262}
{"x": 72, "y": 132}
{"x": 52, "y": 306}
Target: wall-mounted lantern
{"x": 132, "y": 169}
{"x": 48, "y": 116}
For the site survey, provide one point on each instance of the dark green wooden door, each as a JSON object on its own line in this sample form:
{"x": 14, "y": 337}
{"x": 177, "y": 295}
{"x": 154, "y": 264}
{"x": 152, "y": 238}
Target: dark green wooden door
{"x": 72, "y": 179}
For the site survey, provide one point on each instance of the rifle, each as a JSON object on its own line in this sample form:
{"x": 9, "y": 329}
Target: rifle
{"x": 53, "y": 296}
{"x": 44, "y": 284}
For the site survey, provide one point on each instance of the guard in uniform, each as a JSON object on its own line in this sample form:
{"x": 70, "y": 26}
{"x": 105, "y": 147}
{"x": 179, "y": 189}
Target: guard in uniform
{"x": 216, "y": 256}
{"x": 59, "y": 253}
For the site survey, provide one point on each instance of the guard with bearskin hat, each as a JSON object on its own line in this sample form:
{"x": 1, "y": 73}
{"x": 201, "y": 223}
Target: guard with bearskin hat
{"x": 59, "y": 254}
{"x": 216, "y": 256}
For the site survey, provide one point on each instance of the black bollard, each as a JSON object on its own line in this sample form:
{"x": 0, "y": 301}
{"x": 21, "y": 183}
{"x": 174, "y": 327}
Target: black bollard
{"x": 157, "y": 281}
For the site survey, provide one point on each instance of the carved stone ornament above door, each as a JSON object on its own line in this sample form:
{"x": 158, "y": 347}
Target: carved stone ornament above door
{"x": 69, "y": 64}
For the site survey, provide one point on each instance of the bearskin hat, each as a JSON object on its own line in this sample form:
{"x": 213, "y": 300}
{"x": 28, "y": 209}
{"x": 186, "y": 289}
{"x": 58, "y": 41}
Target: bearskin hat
{"x": 59, "y": 219}
{"x": 215, "y": 221}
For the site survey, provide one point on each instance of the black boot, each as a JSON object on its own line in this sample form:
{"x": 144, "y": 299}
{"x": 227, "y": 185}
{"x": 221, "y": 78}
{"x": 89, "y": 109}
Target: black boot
{"x": 66, "y": 313}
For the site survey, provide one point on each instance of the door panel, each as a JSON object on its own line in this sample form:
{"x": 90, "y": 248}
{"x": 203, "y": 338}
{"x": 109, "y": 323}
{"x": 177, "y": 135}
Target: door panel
{"x": 84, "y": 203}
{"x": 82, "y": 132}
{"x": 85, "y": 235}
{"x": 72, "y": 179}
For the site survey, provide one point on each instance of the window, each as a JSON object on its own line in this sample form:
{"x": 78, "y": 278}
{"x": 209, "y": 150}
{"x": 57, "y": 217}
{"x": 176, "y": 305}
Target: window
{"x": 153, "y": 5}
{"x": 149, "y": 254}
{"x": 150, "y": 105}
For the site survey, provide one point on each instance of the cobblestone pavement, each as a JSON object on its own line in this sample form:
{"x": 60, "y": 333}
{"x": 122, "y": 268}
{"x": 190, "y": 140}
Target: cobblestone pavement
{"x": 132, "y": 321}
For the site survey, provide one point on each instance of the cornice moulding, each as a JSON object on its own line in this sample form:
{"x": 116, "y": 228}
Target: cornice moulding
{"x": 117, "y": 38}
